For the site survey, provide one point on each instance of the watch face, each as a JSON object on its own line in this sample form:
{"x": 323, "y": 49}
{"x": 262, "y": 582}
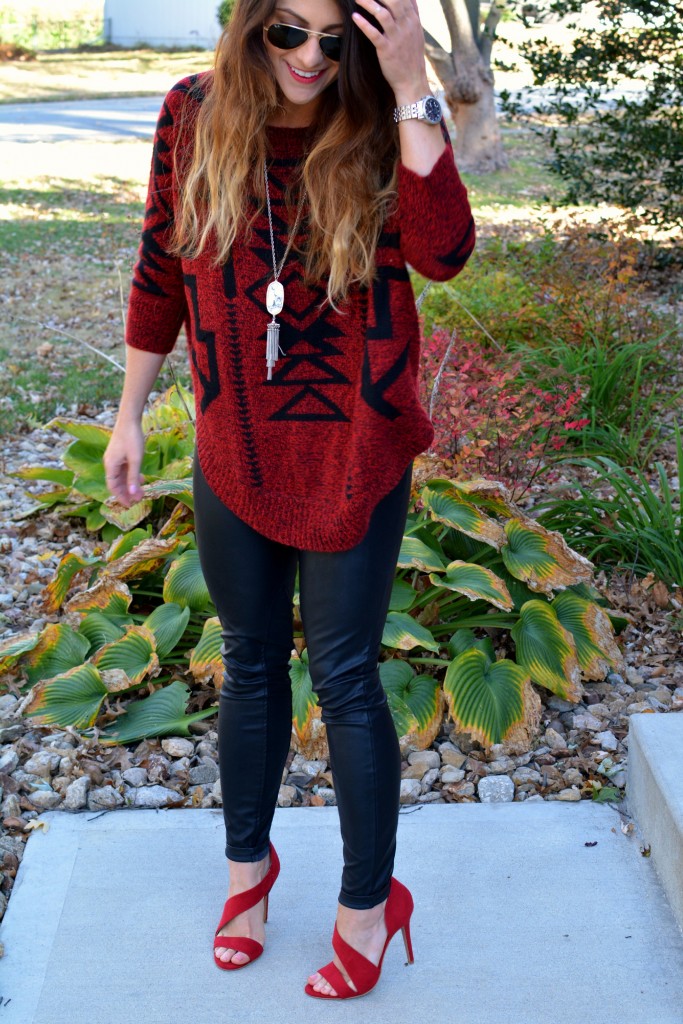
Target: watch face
{"x": 432, "y": 110}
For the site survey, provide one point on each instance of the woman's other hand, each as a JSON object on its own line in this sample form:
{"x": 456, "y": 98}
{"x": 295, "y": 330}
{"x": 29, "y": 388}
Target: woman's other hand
{"x": 400, "y": 47}
{"x": 122, "y": 460}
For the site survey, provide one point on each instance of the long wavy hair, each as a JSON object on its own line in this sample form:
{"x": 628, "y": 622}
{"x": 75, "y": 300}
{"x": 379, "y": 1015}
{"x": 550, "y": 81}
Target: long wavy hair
{"x": 348, "y": 170}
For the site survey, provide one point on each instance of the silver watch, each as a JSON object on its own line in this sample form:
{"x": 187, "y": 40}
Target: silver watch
{"x": 426, "y": 109}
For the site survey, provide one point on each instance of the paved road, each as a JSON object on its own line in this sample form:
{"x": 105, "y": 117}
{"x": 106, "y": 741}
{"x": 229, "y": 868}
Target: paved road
{"x": 80, "y": 120}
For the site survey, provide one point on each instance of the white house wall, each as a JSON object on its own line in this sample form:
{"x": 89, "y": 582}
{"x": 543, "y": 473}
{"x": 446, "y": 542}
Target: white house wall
{"x": 162, "y": 22}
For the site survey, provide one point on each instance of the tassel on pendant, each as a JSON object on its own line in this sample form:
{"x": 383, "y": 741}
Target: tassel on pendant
{"x": 272, "y": 345}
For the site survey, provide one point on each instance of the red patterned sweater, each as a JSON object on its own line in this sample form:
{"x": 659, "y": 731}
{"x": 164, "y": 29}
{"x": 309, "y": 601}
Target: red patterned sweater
{"x": 303, "y": 457}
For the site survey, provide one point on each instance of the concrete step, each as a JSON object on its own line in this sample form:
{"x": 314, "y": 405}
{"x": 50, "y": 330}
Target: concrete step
{"x": 525, "y": 913}
{"x": 655, "y": 796}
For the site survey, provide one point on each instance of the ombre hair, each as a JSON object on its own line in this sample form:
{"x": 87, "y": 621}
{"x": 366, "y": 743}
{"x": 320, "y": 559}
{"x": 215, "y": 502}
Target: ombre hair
{"x": 349, "y": 171}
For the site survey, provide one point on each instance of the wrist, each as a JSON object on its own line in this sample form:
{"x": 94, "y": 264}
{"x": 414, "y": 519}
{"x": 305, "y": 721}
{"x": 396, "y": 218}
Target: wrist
{"x": 412, "y": 91}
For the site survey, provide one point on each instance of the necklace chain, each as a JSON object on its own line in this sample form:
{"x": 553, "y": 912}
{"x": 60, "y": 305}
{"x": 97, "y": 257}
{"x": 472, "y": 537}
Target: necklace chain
{"x": 278, "y": 270}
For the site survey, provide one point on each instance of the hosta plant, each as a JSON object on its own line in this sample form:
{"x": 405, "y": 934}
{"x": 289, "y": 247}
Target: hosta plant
{"x": 486, "y": 604}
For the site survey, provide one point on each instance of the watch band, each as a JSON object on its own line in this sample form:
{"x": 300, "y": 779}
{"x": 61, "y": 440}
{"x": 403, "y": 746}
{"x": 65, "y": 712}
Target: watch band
{"x": 417, "y": 110}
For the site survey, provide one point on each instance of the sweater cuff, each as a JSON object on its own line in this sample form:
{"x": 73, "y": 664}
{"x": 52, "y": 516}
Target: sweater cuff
{"x": 151, "y": 328}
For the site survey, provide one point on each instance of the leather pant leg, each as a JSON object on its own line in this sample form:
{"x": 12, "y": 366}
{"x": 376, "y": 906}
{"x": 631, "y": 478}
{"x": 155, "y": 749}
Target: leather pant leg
{"x": 344, "y": 602}
{"x": 251, "y": 582}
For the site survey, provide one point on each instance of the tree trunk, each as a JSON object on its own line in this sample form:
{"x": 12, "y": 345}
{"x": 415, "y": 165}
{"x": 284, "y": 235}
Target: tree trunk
{"x": 467, "y": 81}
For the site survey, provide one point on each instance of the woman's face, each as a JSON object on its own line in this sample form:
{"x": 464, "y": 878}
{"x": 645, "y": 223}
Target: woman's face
{"x": 305, "y": 72}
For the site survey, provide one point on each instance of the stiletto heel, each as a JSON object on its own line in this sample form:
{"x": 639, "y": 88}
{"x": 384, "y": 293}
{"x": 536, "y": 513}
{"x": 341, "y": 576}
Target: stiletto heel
{"x": 362, "y": 972}
{"x": 237, "y": 904}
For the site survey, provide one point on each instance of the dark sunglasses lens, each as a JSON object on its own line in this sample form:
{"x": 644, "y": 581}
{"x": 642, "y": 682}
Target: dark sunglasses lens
{"x": 285, "y": 37}
{"x": 331, "y": 47}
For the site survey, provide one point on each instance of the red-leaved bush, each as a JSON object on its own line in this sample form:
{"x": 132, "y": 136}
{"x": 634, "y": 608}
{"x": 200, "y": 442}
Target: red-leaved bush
{"x": 488, "y": 422}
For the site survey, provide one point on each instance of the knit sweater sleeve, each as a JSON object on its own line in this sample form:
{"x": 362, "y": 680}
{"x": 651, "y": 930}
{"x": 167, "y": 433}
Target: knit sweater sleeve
{"x": 157, "y": 307}
{"x": 435, "y": 219}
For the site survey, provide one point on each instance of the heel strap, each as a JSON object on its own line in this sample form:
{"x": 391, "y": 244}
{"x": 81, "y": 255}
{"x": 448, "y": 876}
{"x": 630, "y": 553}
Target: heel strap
{"x": 242, "y": 901}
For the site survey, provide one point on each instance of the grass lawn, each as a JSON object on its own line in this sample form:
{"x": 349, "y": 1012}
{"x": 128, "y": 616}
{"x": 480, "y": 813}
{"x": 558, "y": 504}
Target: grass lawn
{"x": 69, "y": 76}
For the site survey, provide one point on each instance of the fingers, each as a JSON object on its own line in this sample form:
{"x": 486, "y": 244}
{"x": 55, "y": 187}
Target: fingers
{"x": 122, "y": 477}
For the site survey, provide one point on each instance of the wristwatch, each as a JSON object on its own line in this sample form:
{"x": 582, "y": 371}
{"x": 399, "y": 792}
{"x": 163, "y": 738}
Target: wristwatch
{"x": 427, "y": 109}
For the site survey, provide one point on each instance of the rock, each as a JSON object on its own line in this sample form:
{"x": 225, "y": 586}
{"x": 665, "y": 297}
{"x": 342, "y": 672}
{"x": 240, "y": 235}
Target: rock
{"x": 328, "y": 794}
{"x": 9, "y": 759}
{"x": 496, "y": 789}
{"x": 432, "y": 797}
{"x": 523, "y": 776}
{"x": 13, "y": 845}
{"x": 27, "y": 780}
{"x": 204, "y": 774}
{"x": 410, "y": 791}
{"x": 414, "y": 771}
{"x": 7, "y": 702}
{"x": 451, "y": 774}
{"x": 573, "y": 777}
{"x": 152, "y": 796}
{"x": 134, "y": 776}
{"x": 45, "y": 799}
{"x": 429, "y": 779}
{"x": 179, "y": 767}
{"x": 60, "y": 740}
{"x": 634, "y": 677}
{"x": 459, "y": 790}
{"x": 10, "y": 730}
{"x": 104, "y": 798}
{"x": 568, "y": 794}
{"x": 500, "y": 766}
{"x": 313, "y": 768}
{"x": 178, "y": 746}
{"x": 286, "y": 796}
{"x": 554, "y": 739}
{"x": 451, "y": 755}
{"x": 43, "y": 762}
{"x": 76, "y": 795}
{"x": 217, "y": 792}
{"x": 427, "y": 758}
{"x": 607, "y": 740}
{"x": 10, "y": 806}
{"x": 613, "y": 678}
{"x": 587, "y": 721}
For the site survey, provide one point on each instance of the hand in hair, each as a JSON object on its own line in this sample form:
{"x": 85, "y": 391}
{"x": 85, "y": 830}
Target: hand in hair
{"x": 400, "y": 45}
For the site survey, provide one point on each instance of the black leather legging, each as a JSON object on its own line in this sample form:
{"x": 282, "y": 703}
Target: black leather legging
{"x": 344, "y": 598}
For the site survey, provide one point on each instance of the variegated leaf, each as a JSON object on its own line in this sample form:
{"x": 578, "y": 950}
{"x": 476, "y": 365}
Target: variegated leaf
{"x": 12, "y": 648}
{"x": 108, "y": 595}
{"x": 125, "y": 542}
{"x": 52, "y": 473}
{"x": 402, "y": 596}
{"x": 303, "y": 697}
{"x": 593, "y": 634}
{"x": 421, "y": 694}
{"x": 116, "y": 513}
{"x": 489, "y": 494}
{"x": 451, "y": 508}
{"x": 85, "y": 430}
{"x": 168, "y": 622}
{"x": 58, "y": 649}
{"x": 184, "y": 583}
{"x": 99, "y": 629}
{"x": 464, "y": 639}
{"x": 69, "y": 698}
{"x": 56, "y": 590}
{"x": 180, "y": 522}
{"x": 475, "y": 582}
{"x": 404, "y": 632}
{"x": 206, "y": 663}
{"x": 542, "y": 558}
{"x": 146, "y": 557}
{"x": 485, "y": 698}
{"x": 416, "y": 554}
{"x": 135, "y": 653}
{"x": 547, "y": 650}
{"x": 160, "y": 714}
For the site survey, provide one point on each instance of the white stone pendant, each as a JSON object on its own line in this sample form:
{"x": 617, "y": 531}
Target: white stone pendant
{"x": 275, "y": 298}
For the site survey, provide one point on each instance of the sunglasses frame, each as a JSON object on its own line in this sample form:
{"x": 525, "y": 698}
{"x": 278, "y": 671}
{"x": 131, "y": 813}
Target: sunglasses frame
{"x": 308, "y": 32}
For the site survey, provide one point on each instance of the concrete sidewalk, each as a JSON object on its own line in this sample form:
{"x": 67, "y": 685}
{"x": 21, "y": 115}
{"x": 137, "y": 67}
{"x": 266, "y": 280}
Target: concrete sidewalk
{"x": 518, "y": 919}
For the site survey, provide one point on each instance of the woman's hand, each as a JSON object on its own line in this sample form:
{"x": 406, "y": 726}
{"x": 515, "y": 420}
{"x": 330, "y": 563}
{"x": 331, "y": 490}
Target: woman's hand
{"x": 122, "y": 460}
{"x": 401, "y": 49}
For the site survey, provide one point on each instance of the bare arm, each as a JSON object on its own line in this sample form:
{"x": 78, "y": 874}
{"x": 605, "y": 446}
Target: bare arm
{"x": 123, "y": 456}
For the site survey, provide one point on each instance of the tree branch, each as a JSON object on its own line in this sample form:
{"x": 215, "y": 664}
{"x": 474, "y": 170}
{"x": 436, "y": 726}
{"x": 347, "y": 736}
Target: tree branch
{"x": 489, "y": 32}
{"x": 440, "y": 59}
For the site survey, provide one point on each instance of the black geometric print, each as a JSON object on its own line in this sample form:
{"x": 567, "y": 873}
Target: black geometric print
{"x": 210, "y": 385}
{"x": 372, "y": 391}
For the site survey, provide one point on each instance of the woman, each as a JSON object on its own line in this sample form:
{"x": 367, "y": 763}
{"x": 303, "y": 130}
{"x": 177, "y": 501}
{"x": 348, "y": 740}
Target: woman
{"x": 289, "y": 188}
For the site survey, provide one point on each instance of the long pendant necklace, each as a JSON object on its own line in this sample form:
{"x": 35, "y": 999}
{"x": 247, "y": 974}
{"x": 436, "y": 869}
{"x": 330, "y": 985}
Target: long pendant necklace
{"x": 275, "y": 295}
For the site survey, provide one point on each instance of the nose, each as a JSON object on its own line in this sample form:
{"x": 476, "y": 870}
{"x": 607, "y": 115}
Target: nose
{"x": 310, "y": 54}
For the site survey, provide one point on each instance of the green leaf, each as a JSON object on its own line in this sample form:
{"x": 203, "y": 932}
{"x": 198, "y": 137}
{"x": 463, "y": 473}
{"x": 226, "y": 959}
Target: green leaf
{"x": 206, "y": 662}
{"x": 85, "y": 430}
{"x": 58, "y": 476}
{"x": 451, "y": 508}
{"x": 12, "y": 647}
{"x": 418, "y": 693}
{"x": 402, "y": 596}
{"x": 70, "y": 698}
{"x": 591, "y": 628}
{"x": 135, "y": 654}
{"x": 99, "y": 630}
{"x": 542, "y": 558}
{"x": 58, "y": 649}
{"x": 476, "y": 582}
{"x": 160, "y": 714}
{"x": 415, "y": 553}
{"x": 464, "y": 639}
{"x": 184, "y": 583}
{"x": 58, "y": 587}
{"x": 485, "y": 698}
{"x": 303, "y": 697}
{"x": 168, "y": 623}
{"x": 547, "y": 650}
{"x": 403, "y": 631}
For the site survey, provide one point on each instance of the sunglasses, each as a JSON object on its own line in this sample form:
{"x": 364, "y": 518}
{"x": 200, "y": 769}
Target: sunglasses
{"x": 288, "y": 37}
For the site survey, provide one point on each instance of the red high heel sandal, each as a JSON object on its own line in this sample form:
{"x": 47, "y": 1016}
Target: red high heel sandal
{"x": 237, "y": 904}
{"x": 362, "y": 972}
